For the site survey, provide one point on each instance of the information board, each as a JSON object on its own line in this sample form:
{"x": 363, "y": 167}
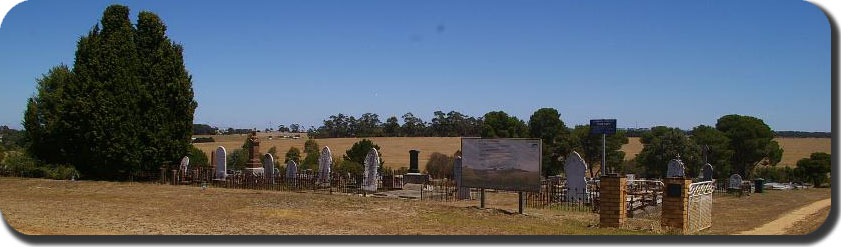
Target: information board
{"x": 503, "y": 164}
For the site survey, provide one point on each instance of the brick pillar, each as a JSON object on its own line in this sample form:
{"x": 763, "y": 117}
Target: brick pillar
{"x": 612, "y": 211}
{"x": 676, "y": 204}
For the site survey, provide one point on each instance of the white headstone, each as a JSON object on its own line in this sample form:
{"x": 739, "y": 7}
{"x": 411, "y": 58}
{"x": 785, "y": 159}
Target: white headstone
{"x": 370, "y": 177}
{"x": 185, "y": 164}
{"x": 675, "y": 169}
{"x": 268, "y": 166}
{"x": 576, "y": 172}
{"x": 325, "y": 162}
{"x": 221, "y": 163}
{"x": 707, "y": 172}
{"x": 291, "y": 169}
{"x": 735, "y": 181}
{"x": 462, "y": 193}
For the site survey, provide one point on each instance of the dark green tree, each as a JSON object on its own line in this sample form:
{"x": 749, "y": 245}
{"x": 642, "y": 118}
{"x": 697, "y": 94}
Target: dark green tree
{"x": 355, "y": 156}
{"x": 197, "y": 157}
{"x": 547, "y": 125}
{"x": 815, "y": 168}
{"x": 412, "y": 126}
{"x": 661, "y": 145}
{"x": 391, "y": 127}
{"x": 718, "y": 149}
{"x": 126, "y": 107}
{"x": 498, "y": 124}
{"x": 294, "y": 154}
{"x": 752, "y": 142}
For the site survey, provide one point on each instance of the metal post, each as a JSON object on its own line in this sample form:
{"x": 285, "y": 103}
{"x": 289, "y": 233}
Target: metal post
{"x": 520, "y": 207}
{"x": 604, "y": 159}
{"x": 482, "y": 198}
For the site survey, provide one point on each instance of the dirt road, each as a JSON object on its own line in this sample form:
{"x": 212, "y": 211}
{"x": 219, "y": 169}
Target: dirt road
{"x": 784, "y": 222}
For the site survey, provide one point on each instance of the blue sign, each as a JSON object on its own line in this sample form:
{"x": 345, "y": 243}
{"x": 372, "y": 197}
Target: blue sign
{"x": 603, "y": 126}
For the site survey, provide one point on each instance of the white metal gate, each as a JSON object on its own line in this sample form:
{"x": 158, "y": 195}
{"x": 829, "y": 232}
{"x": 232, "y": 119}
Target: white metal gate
{"x": 700, "y": 205}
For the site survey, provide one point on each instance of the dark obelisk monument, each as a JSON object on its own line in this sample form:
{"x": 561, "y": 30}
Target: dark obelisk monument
{"x": 254, "y": 166}
{"x": 414, "y": 176}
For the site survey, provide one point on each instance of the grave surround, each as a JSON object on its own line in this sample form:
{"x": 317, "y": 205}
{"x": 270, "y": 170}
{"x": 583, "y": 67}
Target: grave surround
{"x": 676, "y": 207}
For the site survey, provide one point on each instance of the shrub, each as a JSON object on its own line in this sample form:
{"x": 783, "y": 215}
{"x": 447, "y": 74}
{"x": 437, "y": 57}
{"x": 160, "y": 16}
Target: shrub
{"x": 197, "y": 157}
{"x": 440, "y": 165}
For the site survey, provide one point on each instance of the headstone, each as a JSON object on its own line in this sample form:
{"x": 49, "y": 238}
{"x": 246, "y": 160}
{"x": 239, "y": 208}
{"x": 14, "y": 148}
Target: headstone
{"x": 576, "y": 172}
{"x": 325, "y": 163}
{"x": 735, "y": 182}
{"x": 707, "y": 172}
{"x": 370, "y": 177}
{"x": 268, "y": 167}
{"x": 221, "y": 163}
{"x": 185, "y": 165}
{"x": 291, "y": 169}
{"x": 413, "y": 161}
{"x": 675, "y": 169}
{"x": 462, "y": 193}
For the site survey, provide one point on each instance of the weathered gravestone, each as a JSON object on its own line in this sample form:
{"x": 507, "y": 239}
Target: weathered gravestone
{"x": 185, "y": 165}
{"x": 325, "y": 162}
{"x": 675, "y": 169}
{"x": 291, "y": 169}
{"x": 221, "y": 163}
{"x": 268, "y": 167}
{"x": 735, "y": 182}
{"x": 370, "y": 177}
{"x": 576, "y": 172}
{"x": 462, "y": 193}
{"x": 707, "y": 172}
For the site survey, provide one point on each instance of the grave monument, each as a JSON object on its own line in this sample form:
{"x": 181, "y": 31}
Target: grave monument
{"x": 254, "y": 166}
{"x": 576, "y": 172}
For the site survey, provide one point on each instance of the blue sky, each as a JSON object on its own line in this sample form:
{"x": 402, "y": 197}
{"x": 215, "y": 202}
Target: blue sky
{"x": 674, "y": 63}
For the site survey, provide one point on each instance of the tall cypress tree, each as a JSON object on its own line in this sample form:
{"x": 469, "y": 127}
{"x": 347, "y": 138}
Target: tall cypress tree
{"x": 127, "y": 105}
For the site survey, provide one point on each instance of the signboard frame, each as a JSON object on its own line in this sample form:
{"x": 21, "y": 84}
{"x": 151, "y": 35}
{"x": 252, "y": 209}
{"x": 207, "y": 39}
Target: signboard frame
{"x": 535, "y": 187}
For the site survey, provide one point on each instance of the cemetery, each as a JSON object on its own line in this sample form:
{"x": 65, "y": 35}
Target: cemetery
{"x": 675, "y": 204}
{"x": 115, "y": 142}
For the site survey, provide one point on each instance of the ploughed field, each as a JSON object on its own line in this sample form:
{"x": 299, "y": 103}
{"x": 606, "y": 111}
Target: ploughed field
{"x": 38, "y": 206}
{"x": 395, "y": 150}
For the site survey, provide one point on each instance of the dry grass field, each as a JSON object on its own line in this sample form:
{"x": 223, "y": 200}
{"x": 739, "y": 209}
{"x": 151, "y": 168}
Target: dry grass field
{"x": 51, "y": 207}
{"x": 395, "y": 150}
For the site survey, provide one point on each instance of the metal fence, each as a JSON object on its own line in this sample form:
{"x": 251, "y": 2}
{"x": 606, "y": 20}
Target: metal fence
{"x": 555, "y": 194}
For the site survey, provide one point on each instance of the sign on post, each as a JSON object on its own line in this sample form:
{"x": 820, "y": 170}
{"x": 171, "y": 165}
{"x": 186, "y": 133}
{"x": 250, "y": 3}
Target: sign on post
{"x": 603, "y": 126}
{"x": 503, "y": 164}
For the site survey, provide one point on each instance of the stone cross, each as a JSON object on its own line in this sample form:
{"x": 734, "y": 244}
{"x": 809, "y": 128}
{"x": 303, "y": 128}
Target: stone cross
{"x": 221, "y": 163}
{"x": 325, "y": 162}
{"x": 291, "y": 169}
{"x": 675, "y": 169}
{"x": 576, "y": 172}
{"x": 707, "y": 172}
{"x": 370, "y": 177}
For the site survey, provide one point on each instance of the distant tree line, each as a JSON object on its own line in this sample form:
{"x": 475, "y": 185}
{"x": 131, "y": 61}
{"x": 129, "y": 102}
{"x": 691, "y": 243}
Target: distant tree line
{"x": 204, "y": 129}
{"x": 451, "y": 124}
{"x": 803, "y": 134}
